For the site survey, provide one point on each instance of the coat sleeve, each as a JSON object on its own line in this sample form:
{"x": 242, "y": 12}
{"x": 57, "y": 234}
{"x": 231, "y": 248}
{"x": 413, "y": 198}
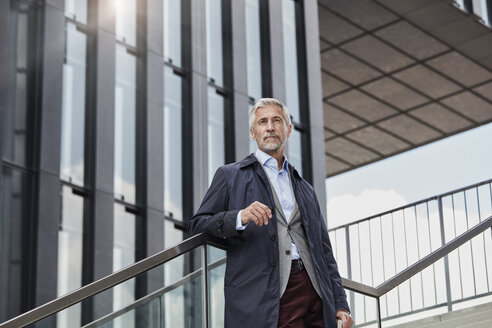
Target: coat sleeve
{"x": 336, "y": 281}
{"x": 213, "y": 216}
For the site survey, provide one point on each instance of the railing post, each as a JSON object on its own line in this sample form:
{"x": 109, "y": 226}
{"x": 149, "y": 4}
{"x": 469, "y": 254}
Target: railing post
{"x": 349, "y": 265}
{"x": 205, "y": 285}
{"x": 446, "y": 261}
{"x": 378, "y": 303}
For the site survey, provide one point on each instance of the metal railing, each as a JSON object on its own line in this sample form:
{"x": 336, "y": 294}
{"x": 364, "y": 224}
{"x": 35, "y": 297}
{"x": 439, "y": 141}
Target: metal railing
{"x": 374, "y": 249}
{"x": 201, "y": 240}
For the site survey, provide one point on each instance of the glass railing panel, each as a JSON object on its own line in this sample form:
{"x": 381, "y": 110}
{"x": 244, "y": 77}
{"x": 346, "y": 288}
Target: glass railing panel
{"x": 364, "y": 309}
{"x": 145, "y": 315}
{"x": 182, "y": 306}
{"x": 216, "y": 271}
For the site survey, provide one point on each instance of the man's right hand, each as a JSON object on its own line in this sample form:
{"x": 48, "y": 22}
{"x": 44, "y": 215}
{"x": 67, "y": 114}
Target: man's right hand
{"x": 256, "y": 212}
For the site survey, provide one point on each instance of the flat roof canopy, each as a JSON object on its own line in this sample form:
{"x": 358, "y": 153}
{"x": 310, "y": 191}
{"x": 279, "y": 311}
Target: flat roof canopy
{"x": 398, "y": 75}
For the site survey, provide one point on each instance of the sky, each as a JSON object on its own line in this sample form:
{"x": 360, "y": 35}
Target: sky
{"x": 436, "y": 168}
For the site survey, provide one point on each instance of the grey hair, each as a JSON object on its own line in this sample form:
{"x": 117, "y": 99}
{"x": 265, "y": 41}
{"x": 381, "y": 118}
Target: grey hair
{"x": 263, "y": 102}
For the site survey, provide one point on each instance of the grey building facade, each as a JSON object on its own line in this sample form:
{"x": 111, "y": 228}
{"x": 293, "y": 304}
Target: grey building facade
{"x": 115, "y": 115}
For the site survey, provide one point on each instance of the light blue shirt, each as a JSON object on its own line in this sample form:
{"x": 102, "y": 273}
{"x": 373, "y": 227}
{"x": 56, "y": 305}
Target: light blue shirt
{"x": 281, "y": 183}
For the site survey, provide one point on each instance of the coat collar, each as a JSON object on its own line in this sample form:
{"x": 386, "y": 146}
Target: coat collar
{"x": 251, "y": 160}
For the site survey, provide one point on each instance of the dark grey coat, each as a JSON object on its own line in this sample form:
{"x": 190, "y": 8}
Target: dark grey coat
{"x": 251, "y": 283}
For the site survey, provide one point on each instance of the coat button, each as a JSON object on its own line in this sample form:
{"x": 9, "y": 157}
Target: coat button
{"x": 287, "y": 252}
{"x": 273, "y": 263}
{"x": 272, "y": 237}
{"x": 288, "y": 227}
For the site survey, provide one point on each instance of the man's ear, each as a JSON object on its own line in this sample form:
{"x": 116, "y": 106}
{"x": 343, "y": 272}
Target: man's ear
{"x": 289, "y": 130}
{"x": 252, "y": 132}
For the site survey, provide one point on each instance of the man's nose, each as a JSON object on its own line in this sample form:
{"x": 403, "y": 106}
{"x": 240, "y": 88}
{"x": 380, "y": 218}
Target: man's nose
{"x": 269, "y": 125}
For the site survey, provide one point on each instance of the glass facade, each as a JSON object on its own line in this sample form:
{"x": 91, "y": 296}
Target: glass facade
{"x": 125, "y": 125}
{"x": 70, "y": 243}
{"x": 76, "y": 10}
{"x": 73, "y": 106}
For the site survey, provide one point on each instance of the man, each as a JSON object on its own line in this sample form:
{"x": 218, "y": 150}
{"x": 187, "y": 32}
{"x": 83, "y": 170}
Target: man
{"x": 280, "y": 267}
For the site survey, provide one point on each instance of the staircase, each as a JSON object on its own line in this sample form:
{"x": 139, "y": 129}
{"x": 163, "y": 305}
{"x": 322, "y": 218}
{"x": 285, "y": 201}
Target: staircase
{"x": 478, "y": 316}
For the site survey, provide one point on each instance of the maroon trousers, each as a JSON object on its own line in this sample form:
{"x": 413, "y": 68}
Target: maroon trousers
{"x": 300, "y": 306}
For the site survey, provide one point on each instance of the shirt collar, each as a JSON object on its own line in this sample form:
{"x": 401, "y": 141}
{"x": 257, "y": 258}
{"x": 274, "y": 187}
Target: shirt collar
{"x": 269, "y": 161}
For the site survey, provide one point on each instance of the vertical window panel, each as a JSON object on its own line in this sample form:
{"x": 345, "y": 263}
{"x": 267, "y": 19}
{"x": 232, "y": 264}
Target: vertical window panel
{"x": 252, "y": 143}
{"x": 73, "y": 106}
{"x": 172, "y": 31}
{"x": 216, "y": 135}
{"x": 294, "y": 149}
{"x": 215, "y": 67}
{"x": 14, "y": 217}
{"x": 125, "y": 125}
{"x": 76, "y": 9}
{"x": 16, "y": 132}
{"x": 253, "y": 48}
{"x": 126, "y": 21}
{"x": 70, "y": 242}
{"x": 173, "y": 163}
{"x": 123, "y": 254}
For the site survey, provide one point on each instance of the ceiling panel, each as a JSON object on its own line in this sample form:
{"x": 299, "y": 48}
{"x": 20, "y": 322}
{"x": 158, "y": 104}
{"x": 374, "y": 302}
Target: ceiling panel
{"x": 334, "y": 166}
{"x": 362, "y": 105}
{"x": 328, "y": 134}
{"x": 438, "y": 116}
{"x": 411, "y": 40}
{"x": 460, "y": 31}
{"x": 427, "y": 81}
{"x": 460, "y": 69}
{"x": 404, "y": 7}
{"x": 349, "y": 151}
{"x": 435, "y": 15}
{"x": 346, "y": 67}
{"x": 409, "y": 129}
{"x": 332, "y": 85}
{"x": 470, "y": 105}
{"x": 378, "y": 140}
{"x": 338, "y": 121}
{"x": 335, "y": 29}
{"x": 365, "y": 13}
{"x": 480, "y": 47}
{"x": 323, "y": 45}
{"x": 485, "y": 90}
{"x": 378, "y": 54}
{"x": 394, "y": 93}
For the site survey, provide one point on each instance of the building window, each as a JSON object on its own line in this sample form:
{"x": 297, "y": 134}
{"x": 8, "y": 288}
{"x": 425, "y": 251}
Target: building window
{"x": 17, "y": 118}
{"x": 70, "y": 242}
{"x": 14, "y": 222}
{"x": 73, "y": 106}
{"x": 76, "y": 10}
{"x": 291, "y": 71}
{"x": 124, "y": 251}
{"x": 173, "y": 162}
{"x": 125, "y": 125}
{"x": 172, "y": 32}
{"x": 215, "y": 65}
{"x": 126, "y": 21}
{"x": 216, "y": 132}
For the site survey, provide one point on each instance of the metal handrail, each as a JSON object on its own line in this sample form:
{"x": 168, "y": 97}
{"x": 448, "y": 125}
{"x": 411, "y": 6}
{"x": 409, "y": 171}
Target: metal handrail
{"x": 205, "y": 239}
{"x": 112, "y": 280}
{"x": 428, "y": 199}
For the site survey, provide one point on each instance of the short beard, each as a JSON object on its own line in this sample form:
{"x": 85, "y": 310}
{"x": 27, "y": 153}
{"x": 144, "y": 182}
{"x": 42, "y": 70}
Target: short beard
{"x": 272, "y": 147}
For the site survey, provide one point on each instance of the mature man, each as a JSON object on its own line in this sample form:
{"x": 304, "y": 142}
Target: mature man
{"x": 280, "y": 267}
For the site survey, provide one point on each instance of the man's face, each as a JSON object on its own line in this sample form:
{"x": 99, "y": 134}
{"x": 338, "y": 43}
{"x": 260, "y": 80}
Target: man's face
{"x": 269, "y": 129}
